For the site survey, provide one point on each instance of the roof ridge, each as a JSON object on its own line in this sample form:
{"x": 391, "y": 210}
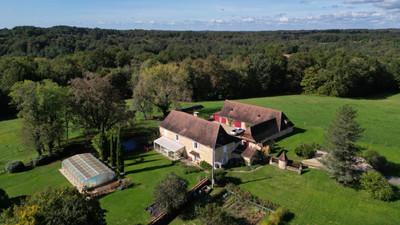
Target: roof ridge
{"x": 261, "y": 107}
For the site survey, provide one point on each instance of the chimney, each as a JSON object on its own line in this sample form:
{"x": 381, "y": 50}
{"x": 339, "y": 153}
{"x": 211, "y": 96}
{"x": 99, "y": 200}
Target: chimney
{"x": 196, "y": 114}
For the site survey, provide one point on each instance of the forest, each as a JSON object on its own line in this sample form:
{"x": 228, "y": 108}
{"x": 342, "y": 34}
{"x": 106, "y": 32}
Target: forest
{"x": 204, "y": 65}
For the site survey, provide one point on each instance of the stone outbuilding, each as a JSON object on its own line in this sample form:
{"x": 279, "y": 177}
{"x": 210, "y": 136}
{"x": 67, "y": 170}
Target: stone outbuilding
{"x": 283, "y": 160}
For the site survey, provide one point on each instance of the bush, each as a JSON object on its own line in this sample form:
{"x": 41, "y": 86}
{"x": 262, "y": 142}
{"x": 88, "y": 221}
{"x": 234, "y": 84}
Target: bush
{"x": 191, "y": 169}
{"x": 15, "y": 167}
{"x": 377, "y": 161}
{"x": 235, "y": 162}
{"x": 377, "y": 186}
{"x": 306, "y": 150}
{"x": 205, "y": 165}
{"x": 248, "y": 196}
{"x": 279, "y": 216}
{"x": 219, "y": 177}
{"x": 44, "y": 159}
{"x": 213, "y": 214}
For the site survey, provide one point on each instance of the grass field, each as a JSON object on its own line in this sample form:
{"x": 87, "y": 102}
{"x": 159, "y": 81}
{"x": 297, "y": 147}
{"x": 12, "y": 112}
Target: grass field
{"x": 312, "y": 197}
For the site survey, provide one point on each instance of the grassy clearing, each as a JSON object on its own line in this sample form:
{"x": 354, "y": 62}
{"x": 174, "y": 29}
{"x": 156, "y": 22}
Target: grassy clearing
{"x": 10, "y": 143}
{"x": 315, "y": 199}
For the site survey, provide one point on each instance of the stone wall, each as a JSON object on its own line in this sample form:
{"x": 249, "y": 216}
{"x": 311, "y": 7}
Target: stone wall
{"x": 205, "y": 152}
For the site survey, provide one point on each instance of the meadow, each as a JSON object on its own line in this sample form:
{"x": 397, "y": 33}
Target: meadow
{"x": 312, "y": 197}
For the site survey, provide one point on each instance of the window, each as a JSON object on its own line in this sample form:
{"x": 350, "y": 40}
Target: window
{"x": 177, "y": 137}
{"x": 225, "y": 149}
{"x": 195, "y": 145}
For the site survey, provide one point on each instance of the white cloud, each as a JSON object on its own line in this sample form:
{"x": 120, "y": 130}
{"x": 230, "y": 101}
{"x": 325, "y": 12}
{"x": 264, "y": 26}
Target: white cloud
{"x": 248, "y": 19}
{"x": 284, "y": 19}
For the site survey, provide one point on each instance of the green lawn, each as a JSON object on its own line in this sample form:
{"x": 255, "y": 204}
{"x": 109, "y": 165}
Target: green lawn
{"x": 127, "y": 207}
{"x": 315, "y": 199}
{"x": 10, "y": 143}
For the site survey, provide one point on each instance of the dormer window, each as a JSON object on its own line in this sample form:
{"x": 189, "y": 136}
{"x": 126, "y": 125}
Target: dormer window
{"x": 177, "y": 137}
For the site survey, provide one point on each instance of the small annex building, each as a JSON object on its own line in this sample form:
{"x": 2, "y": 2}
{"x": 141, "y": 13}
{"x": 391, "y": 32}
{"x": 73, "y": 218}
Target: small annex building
{"x": 260, "y": 124}
{"x": 85, "y": 170}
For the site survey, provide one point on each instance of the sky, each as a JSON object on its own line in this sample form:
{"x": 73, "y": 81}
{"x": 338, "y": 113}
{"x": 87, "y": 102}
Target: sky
{"x": 219, "y": 15}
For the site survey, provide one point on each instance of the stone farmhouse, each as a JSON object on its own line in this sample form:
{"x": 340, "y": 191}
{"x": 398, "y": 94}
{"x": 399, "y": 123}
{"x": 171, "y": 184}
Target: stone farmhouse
{"x": 187, "y": 136}
{"x": 194, "y": 138}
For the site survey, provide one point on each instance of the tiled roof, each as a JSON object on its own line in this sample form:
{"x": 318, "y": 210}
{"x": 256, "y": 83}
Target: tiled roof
{"x": 249, "y": 152}
{"x": 200, "y": 130}
{"x": 283, "y": 156}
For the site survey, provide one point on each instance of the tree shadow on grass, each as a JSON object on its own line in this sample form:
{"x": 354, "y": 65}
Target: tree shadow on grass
{"x": 392, "y": 169}
{"x": 296, "y": 130}
{"x": 255, "y": 180}
{"x": 136, "y": 162}
{"x": 149, "y": 168}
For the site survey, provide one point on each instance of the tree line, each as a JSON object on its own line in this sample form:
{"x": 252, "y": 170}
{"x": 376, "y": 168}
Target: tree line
{"x": 209, "y": 65}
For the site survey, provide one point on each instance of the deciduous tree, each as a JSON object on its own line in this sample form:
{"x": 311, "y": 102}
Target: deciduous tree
{"x": 64, "y": 205}
{"x": 42, "y": 107}
{"x": 170, "y": 192}
{"x": 163, "y": 86}
{"x": 95, "y": 101}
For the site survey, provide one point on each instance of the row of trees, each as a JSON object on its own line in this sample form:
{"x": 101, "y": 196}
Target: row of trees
{"x": 267, "y": 72}
{"x": 109, "y": 146}
{"x": 91, "y": 103}
{"x": 177, "y": 45}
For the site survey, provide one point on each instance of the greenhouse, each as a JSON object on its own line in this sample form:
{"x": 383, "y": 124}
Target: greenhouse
{"x": 84, "y": 170}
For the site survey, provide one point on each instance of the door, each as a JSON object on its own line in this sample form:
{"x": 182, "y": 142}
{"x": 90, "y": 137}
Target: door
{"x": 238, "y": 124}
{"x": 216, "y": 118}
{"x": 223, "y": 120}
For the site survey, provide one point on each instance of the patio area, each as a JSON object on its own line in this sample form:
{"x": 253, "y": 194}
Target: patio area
{"x": 168, "y": 148}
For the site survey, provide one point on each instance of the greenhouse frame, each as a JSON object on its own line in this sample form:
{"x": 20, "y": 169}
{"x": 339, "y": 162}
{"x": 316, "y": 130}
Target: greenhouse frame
{"x": 86, "y": 171}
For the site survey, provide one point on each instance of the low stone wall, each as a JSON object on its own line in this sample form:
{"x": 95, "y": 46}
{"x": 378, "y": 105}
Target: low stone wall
{"x": 295, "y": 169}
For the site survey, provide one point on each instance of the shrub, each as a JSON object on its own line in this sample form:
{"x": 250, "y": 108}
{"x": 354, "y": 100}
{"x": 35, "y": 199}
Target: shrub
{"x": 306, "y": 150}
{"x": 205, "y": 165}
{"x": 219, "y": 177}
{"x": 235, "y": 162}
{"x": 279, "y": 216}
{"x": 377, "y": 161}
{"x": 377, "y": 186}
{"x": 213, "y": 214}
{"x": 15, "y": 167}
{"x": 191, "y": 169}
{"x": 44, "y": 159}
{"x": 248, "y": 196}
